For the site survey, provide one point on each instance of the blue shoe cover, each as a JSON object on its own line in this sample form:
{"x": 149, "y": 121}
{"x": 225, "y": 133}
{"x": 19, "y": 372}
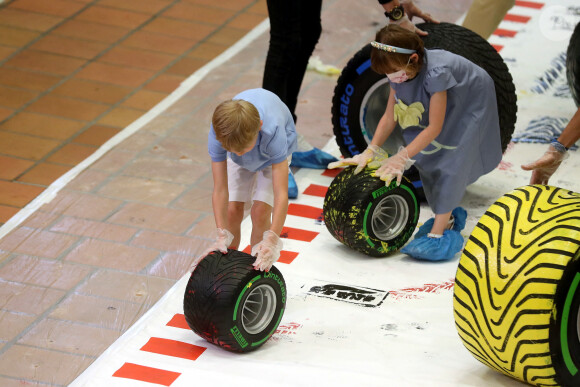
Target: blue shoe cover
{"x": 314, "y": 158}
{"x": 292, "y": 187}
{"x": 459, "y": 216}
{"x": 425, "y": 228}
{"x": 435, "y": 249}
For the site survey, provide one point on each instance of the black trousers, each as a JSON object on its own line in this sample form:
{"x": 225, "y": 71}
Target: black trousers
{"x": 295, "y": 28}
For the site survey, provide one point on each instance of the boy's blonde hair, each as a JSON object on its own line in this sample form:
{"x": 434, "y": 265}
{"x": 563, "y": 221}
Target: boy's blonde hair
{"x": 384, "y": 62}
{"x": 236, "y": 124}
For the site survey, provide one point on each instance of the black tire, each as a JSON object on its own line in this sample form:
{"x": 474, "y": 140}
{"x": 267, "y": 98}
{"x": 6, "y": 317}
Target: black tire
{"x": 364, "y": 214}
{"x": 517, "y": 287}
{"x": 573, "y": 65}
{"x": 361, "y": 95}
{"x": 221, "y": 297}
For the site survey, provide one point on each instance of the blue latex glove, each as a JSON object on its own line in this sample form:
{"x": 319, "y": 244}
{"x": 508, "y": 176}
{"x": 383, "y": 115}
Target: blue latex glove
{"x": 459, "y": 217}
{"x": 435, "y": 249}
{"x": 314, "y": 158}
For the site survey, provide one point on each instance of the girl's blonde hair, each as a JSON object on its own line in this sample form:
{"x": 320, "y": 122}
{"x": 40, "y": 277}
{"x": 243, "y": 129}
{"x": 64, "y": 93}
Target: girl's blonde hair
{"x": 384, "y": 62}
{"x": 236, "y": 124}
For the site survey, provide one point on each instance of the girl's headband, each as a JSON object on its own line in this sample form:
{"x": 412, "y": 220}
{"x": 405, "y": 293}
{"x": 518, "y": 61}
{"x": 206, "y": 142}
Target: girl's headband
{"x": 386, "y": 47}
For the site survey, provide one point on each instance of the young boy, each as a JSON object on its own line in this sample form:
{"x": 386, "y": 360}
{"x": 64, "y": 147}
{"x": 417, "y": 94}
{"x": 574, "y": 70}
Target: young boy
{"x": 250, "y": 141}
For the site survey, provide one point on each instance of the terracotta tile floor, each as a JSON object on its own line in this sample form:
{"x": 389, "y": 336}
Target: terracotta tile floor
{"x": 73, "y": 73}
{"x": 84, "y": 266}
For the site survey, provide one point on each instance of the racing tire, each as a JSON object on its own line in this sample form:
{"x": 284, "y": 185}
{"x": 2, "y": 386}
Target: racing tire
{"x": 573, "y": 65}
{"x": 230, "y": 304}
{"x": 361, "y": 95}
{"x": 367, "y": 216}
{"x": 517, "y": 288}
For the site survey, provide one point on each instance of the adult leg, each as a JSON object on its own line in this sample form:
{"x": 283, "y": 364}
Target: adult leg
{"x": 294, "y": 31}
{"x": 310, "y": 30}
{"x": 484, "y": 16}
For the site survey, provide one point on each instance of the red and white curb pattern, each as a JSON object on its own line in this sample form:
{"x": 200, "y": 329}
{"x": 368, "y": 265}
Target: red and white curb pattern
{"x": 188, "y": 351}
{"x": 514, "y": 21}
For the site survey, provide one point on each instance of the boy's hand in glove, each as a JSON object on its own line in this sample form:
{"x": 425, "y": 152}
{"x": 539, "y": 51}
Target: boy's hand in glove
{"x": 394, "y": 166}
{"x": 267, "y": 251}
{"x": 373, "y": 153}
{"x": 222, "y": 241}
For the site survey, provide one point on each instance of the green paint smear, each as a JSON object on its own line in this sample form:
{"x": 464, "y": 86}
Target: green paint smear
{"x": 564, "y": 326}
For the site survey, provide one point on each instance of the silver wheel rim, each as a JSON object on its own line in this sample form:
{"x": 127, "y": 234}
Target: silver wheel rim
{"x": 372, "y": 109}
{"x": 258, "y": 309}
{"x": 390, "y": 217}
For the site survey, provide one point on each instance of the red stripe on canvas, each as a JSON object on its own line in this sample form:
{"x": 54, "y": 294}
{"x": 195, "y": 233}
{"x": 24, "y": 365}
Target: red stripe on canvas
{"x": 505, "y": 33}
{"x": 529, "y": 4}
{"x": 305, "y": 211}
{"x": 173, "y": 348}
{"x": 285, "y": 255}
{"x": 331, "y": 172}
{"x": 298, "y": 234}
{"x": 516, "y": 18}
{"x": 498, "y": 47}
{"x": 178, "y": 321}
{"x": 146, "y": 374}
{"x": 316, "y": 190}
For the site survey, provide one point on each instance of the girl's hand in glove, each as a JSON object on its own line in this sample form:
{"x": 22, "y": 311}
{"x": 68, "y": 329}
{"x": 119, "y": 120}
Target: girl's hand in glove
{"x": 545, "y": 166}
{"x": 372, "y": 153}
{"x": 394, "y": 166}
{"x": 267, "y": 251}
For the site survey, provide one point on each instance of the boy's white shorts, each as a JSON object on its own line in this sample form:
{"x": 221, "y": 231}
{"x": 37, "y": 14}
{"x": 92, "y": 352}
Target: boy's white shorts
{"x": 245, "y": 185}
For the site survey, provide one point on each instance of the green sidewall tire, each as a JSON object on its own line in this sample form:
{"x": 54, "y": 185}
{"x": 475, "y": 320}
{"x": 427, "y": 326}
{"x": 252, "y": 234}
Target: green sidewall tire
{"x": 517, "y": 291}
{"x": 351, "y": 212}
{"x": 215, "y": 307}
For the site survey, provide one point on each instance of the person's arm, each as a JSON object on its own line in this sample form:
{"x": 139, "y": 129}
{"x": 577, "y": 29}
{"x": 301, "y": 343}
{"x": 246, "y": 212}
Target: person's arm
{"x": 268, "y": 250}
{"x": 373, "y": 154}
{"x": 223, "y": 237}
{"x": 387, "y": 122}
{"x": 411, "y": 10}
{"x": 280, "y": 184}
{"x": 220, "y": 195}
{"x": 571, "y": 133}
{"x": 396, "y": 165}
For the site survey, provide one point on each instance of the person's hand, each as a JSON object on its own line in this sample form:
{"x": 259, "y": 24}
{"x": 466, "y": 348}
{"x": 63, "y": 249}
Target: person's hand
{"x": 545, "y": 166}
{"x": 222, "y": 241}
{"x": 411, "y": 10}
{"x": 372, "y": 153}
{"x": 267, "y": 251}
{"x": 394, "y": 166}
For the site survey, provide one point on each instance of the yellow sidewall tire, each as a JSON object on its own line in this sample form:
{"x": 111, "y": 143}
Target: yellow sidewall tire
{"x": 516, "y": 296}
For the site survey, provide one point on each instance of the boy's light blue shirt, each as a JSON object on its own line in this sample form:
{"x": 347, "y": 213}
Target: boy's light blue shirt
{"x": 276, "y": 140}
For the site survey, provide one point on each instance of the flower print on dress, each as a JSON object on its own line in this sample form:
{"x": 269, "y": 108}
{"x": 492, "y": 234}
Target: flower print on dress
{"x": 408, "y": 115}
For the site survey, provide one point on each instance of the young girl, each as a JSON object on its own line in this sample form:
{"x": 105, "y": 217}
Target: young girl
{"x": 447, "y": 108}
